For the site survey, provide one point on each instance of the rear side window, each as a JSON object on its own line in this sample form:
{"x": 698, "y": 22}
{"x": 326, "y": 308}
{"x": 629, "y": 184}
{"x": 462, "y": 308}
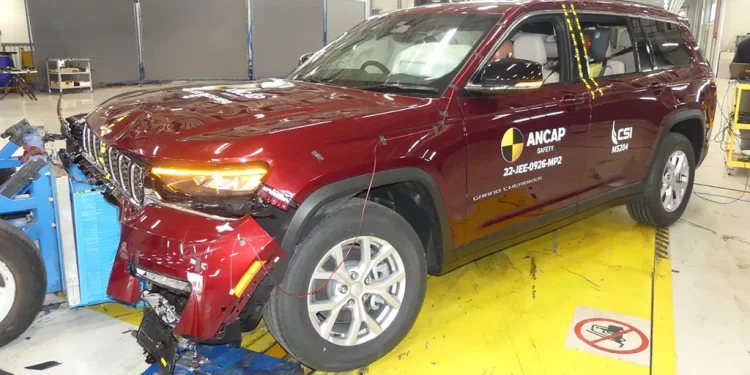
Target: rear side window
{"x": 609, "y": 45}
{"x": 640, "y": 42}
{"x": 670, "y": 49}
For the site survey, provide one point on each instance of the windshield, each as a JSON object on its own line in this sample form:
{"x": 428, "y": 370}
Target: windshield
{"x": 409, "y": 54}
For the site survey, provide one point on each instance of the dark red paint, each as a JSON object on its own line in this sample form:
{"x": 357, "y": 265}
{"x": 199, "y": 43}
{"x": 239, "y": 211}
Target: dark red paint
{"x": 207, "y": 253}
{"x": 283, "y": 122}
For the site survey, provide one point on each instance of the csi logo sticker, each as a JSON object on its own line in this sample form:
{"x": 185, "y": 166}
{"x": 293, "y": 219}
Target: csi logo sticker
{"x": 619, "y": 136}
{"x": 512, "y": 145}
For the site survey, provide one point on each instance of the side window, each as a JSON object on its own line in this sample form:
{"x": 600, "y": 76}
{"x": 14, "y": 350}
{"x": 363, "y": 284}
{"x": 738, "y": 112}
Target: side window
{"x": 639, "y": 28}
{"x": 670, "y": 49}
{"x": 608, "y": 45}
{"x": 537, "y": 40}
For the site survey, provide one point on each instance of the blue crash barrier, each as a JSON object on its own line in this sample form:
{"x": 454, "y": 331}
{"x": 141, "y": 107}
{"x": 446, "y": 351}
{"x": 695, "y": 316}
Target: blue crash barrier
{"x": 31, "y": 207}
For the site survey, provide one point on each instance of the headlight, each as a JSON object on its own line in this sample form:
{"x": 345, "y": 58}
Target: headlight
{"x": 226, "y": 182}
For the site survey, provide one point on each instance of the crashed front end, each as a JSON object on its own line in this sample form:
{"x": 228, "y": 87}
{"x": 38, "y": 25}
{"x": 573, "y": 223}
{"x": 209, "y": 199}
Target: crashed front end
{"x": 201, "y": 260}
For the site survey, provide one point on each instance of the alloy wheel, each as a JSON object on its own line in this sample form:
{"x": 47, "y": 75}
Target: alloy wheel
{"x": 674, "y": 181}
{"x": 7, "y": 291}
{"x": 364, "y": 295}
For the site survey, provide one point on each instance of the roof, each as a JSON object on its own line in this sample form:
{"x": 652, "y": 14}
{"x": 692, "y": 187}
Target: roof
{"x": 503, "y": 6}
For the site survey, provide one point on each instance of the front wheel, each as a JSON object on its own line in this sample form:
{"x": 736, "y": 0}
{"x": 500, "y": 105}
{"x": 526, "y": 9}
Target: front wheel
{"x": 370, "y": 303}
{"x": 668, "y": 185}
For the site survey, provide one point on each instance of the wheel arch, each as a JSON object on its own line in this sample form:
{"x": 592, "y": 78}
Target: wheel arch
{"x": 689, "y": 122}
{"x": 329, "y": 197}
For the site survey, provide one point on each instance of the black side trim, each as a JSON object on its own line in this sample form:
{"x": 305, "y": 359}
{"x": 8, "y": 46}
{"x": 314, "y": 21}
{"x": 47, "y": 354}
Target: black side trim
{"x": 343, "y": 190}
{"x": 543, "y": 224}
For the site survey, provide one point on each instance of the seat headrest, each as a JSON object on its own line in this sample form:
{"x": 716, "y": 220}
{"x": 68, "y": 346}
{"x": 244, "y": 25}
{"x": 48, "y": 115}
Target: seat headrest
{"x": 530, "y": 47}
{"x": 625, "y": 39}
{"x": 550, "y": 46}
{"x": 517, "y": 35}
{"x": 599, "y": 43}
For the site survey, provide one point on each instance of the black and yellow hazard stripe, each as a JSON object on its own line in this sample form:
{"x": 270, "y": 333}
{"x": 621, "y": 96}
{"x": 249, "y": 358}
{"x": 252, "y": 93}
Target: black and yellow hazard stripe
{"x": 585, "y": 51}
{"x": 663, "y": 353}
{"x": 661, "y": 243}
{"x": 577, "y": 51}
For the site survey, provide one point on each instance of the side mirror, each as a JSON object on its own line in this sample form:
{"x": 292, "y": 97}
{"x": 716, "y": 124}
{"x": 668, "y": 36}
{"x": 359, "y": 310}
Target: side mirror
{"x": 508, "y": 74}
{"x": 304, "y": 58}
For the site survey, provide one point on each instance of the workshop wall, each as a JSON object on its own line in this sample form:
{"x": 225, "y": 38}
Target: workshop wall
{"x": 281, "y": 36}
{"x": 13, "y": 21}
{"x": 102, "y": 31}
{"x": 186, "y": 39}
{"x": 734, "y": 22}
{"x": 342, "y": 16}
{"x": 194, "y": 39}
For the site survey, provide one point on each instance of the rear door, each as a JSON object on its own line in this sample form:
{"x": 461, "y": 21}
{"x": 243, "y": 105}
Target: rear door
{"x": 526, "y": 149}
{"x": 628, "y": 111}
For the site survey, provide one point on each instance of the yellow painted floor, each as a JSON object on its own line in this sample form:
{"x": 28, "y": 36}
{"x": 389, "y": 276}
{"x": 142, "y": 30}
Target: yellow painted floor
{"x": 510, "y": 313}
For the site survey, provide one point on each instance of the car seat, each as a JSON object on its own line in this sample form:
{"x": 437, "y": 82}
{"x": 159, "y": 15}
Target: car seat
{"x": 600, "y": 42}
{"x": 626, "y": 62}
{"x": 430, "y": 60}
{"x": 550, "y": 46}
{"x": 532, "y": 47}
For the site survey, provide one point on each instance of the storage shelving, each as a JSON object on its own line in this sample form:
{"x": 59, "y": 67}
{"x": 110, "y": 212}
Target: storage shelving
{"x": 69, "y": 73}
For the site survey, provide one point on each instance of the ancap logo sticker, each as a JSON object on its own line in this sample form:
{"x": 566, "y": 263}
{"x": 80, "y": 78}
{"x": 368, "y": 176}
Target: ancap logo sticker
{"x": 547, "y": 136}
{"x": 512, "y": 145}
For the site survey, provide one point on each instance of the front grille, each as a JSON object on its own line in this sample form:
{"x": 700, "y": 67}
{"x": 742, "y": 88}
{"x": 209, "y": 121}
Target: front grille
{"x": 119, "y": 170}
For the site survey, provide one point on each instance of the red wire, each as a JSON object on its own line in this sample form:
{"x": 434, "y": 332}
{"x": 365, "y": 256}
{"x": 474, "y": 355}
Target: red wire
{"x": 361, "y": 220}
{"x": 71, "y": 176}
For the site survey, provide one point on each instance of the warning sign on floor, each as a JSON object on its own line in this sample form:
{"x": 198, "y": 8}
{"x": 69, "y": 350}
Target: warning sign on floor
{"x": 610, "y": 334}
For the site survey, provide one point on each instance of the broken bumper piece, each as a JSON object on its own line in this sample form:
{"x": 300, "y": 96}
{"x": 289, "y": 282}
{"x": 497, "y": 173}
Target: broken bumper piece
{"x": 215, "y": 264}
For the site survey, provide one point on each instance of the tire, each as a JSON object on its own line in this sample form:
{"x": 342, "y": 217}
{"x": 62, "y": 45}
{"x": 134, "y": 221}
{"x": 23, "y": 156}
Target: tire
{"x": 20, "y": 257}
{"x": 648, "y": 208}
{"x": 287, "y": 317}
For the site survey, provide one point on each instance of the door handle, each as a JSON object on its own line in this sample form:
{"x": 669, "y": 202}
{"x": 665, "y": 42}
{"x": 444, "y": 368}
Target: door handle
{"x": 570, "y": 100}
{"x": 656, "y": 87}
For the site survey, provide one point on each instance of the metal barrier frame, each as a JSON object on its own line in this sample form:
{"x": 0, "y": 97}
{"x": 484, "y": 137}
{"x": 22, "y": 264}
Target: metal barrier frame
{"x": 36, "y": 199}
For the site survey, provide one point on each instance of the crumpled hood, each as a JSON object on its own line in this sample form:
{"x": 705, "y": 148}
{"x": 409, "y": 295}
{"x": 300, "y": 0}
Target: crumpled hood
{"x": 160, "y": 123}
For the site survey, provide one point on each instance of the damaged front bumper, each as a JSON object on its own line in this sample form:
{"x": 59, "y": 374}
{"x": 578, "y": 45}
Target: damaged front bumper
{"x": 201, "y": 273}
{"x": 216, "y": 265}
{"x": 207, "y": 267}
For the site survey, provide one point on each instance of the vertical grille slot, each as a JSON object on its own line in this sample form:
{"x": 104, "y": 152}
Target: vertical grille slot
{"x": 125, "y": 174}
{"x": 92, "y": 145}
{"x": 137, "y": 178}
{"x": 98, "y": 155}
{"x": 115, "y": 166}
{"x": 84, "y": 139}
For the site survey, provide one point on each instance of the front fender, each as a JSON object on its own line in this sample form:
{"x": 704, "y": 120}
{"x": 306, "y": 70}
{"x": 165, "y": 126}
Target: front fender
{"x": 337, "y": 193}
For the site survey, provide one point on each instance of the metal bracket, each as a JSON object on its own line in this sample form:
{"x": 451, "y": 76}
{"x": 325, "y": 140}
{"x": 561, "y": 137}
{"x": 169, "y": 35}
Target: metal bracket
{"x": 16, "y": 132}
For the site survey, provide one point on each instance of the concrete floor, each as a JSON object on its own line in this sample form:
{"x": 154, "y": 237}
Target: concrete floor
{"x": 710, "y": 250}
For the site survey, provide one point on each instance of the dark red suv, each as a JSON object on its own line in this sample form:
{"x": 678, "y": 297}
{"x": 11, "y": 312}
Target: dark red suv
{"x": 420, "y": 140}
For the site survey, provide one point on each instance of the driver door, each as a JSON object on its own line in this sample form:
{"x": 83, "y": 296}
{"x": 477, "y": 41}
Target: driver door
{"x": 526, "y": 148}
